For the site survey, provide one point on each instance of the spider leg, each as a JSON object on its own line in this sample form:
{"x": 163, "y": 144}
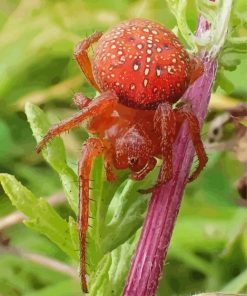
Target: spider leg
{"x": 103, "y": 103}
{"x": 82, "y": 58}
{"x": 81, "y": 101}
{"x": 150, "y": 165}
{"x": 185, "y": 113}
{"x": 92, "y": 148}
{"x": 197, "y": 69}
{"x": 165, "y": 121}
{"x": 165, "y": 118}
{"x": 110, "y": 175}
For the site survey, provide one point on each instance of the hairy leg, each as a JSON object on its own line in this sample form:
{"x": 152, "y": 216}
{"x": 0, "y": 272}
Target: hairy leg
{"x": 165, "y": 124}
{"x": 110, "y": 175}
{"x": 81, "y": 101}
{"x": 185, "y": 113}
{"x": 82, "y": 58}
{"x": 104, "y": 102}
{"x": 166, "y": 121}
{"x": 92, "y": 148}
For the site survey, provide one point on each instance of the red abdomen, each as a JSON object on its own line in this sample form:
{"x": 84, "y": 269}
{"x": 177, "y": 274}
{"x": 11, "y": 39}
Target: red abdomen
{"x": 143, "y": 62}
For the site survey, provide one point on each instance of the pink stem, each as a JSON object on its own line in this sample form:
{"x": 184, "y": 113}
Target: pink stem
{"x": 147, "y": 264}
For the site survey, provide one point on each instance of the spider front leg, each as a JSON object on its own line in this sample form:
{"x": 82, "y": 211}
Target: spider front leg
{"x": 150, "y": 165}
{"x": 103, "y": 103}
{"x": 185, "y": 113}
{"x": 108, "y": 164}
{"x": 92, "y": 148}
{"x": 82, "y": 58}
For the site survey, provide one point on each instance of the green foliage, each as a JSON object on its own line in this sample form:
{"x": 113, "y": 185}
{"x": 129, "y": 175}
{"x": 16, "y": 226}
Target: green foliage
{"x": 54, "y": 154}
{"x": 234, "y": 48}
{"x": 208, "y": 250}
{"x": 109, "y": 229}
{"x": 42, "y": 217}
{"x": 235, "y": 44}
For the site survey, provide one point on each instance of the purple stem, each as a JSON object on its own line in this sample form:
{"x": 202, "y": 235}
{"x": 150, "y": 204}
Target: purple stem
{"x": 147, "y": 264}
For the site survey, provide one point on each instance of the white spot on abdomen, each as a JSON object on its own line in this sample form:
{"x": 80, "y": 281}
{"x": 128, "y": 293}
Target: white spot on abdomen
{"x": 158, "y": 71}
{"x": 136, "y": 67}
{"x": 146, "y": 71}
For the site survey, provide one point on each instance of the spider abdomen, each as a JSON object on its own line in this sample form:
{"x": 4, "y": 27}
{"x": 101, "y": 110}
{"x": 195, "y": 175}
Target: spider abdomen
{"x": 143, "y": 63}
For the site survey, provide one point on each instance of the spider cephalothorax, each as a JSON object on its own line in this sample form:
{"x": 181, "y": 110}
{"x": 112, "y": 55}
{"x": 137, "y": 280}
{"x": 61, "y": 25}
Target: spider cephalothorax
{"x": 140, "y": 69}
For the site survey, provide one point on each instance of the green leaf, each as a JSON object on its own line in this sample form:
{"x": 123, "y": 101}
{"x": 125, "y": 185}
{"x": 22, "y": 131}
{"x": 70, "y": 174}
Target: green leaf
{"x": 223, "y": 82}
{"x": 230, "y": 60}
{"x": 54, "y": 153}
{"x": 129, "y": 208}
{"x": 6, "y": 142}
{"x": 178, "y": 8}
{"x": 109, "y": 227}
{"x": 63, "y": 288}
{"x": 74, "y": 233}
{"x": 116, "y": 210}
{"x": 42, "y": 217}
{"x": 112, "y": 270}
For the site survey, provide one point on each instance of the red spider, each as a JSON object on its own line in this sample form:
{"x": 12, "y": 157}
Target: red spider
{"x": 140, "y": 69}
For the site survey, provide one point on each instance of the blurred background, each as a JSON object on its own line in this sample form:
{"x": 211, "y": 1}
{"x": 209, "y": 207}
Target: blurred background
{"x": 209, "y": 246}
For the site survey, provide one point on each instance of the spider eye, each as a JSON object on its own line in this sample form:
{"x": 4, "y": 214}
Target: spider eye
{"x": 133, "y": 160}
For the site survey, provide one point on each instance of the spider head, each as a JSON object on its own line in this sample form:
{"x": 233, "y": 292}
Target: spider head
{"x": 132, "y": 149}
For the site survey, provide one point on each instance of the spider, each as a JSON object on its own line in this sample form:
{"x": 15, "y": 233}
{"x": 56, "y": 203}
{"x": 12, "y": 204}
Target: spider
{"x": 140, "y": 69}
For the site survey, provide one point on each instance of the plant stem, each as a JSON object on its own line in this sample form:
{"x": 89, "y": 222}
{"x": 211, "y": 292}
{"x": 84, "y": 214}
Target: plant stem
{"x": 147, "y": 264}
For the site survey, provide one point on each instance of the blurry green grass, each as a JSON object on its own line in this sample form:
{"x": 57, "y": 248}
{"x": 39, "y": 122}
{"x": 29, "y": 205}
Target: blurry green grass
{"x": 209, "y": 246}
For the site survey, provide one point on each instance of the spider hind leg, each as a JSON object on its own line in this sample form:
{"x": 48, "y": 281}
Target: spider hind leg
{"x": 92, "y": 148}
{"x": 185, "y": 113}
{"x": 82, "y": 58}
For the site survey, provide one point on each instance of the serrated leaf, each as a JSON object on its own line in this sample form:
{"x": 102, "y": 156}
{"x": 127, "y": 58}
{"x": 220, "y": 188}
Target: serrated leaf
{"x": 54, "y": 153}
{"x": 42, "y": 217}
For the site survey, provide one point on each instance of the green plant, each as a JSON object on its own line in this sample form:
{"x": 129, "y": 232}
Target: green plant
{"x": 118, "y": 211}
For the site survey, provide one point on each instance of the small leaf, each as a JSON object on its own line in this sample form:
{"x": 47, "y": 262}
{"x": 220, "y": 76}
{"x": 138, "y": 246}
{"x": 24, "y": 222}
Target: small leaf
{"x": 54, "y": 153}
{"x": 43, "y": 218}
{"x": 223, "y": 82}
{"x": 230, "y": 60}
{"x": 112, "y": 270}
